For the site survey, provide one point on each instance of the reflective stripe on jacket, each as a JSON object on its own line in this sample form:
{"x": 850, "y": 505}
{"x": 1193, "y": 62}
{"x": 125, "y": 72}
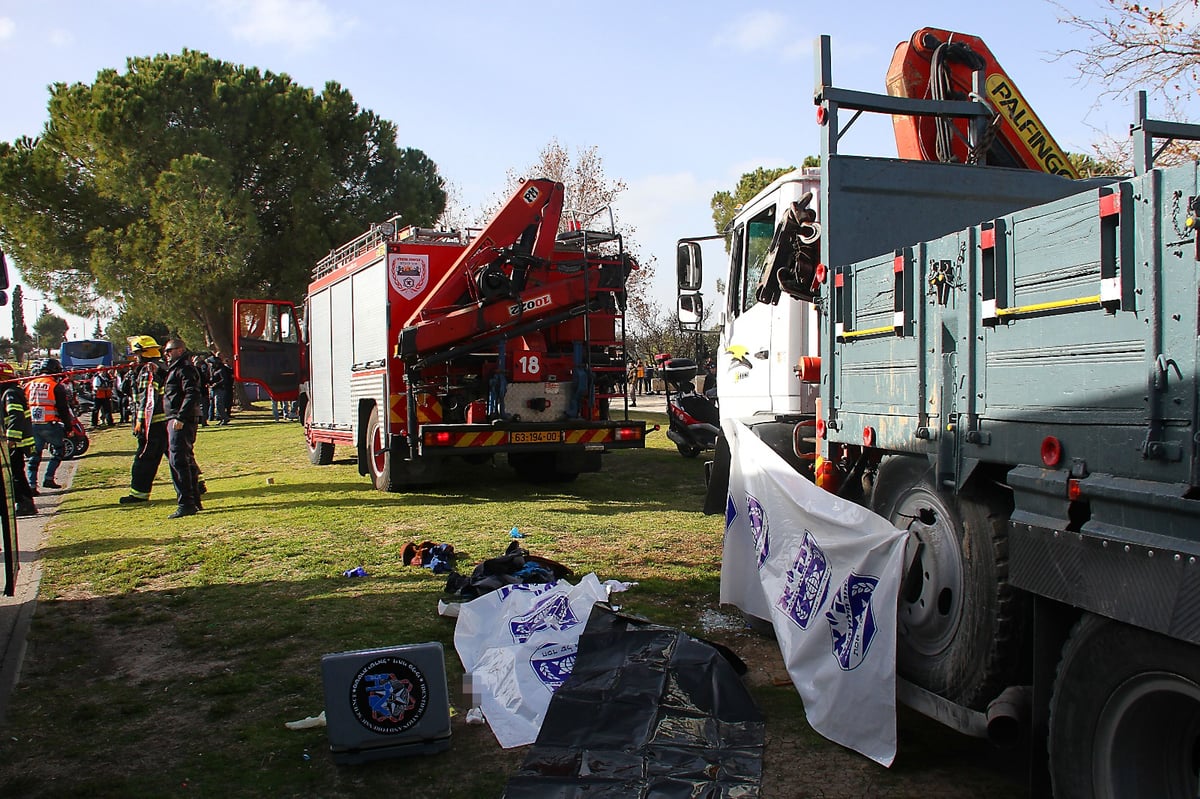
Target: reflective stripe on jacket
{"x": 17, "y": 424}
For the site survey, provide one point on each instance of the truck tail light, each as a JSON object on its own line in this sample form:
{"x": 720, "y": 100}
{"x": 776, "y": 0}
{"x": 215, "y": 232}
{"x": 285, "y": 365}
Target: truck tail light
{"x": 1074, "y": 490}
{"x": 628, "y": 433}
{"x": 1051, "y": 451}
{"x": 440, "y": 438}
{"x": 868, "y": 436}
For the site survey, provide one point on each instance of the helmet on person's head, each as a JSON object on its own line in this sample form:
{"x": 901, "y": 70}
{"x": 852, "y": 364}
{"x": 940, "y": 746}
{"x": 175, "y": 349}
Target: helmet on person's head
{"x": 47, "y": 366}
{"x": 7, "y": 371}
{"x": 145, "y": 346}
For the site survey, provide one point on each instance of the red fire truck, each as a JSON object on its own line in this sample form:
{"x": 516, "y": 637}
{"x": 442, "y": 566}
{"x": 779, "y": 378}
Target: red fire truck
{"x": 418, "y": 346}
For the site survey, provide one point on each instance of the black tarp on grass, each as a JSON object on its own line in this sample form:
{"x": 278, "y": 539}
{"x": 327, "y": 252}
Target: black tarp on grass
{"x": 648, "y": 711}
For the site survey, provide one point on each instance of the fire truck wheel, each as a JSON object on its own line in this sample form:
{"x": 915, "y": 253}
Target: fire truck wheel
{"x": 1125, "y": 714}
{"x": 320, "y": 453}
{"x": 539, "y": 467}
{"x": 379, "y": 456}
{"x": 958, "y": 616}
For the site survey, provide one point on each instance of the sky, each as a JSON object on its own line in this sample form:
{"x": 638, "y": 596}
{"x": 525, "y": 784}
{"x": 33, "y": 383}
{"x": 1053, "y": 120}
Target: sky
{"x": 678, "y": 98}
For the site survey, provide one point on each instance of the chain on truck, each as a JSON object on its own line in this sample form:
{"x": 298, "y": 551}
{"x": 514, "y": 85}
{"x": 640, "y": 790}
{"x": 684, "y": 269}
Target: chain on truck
{"x": 1003, "y": 361}
{"x": 424, "y": 346}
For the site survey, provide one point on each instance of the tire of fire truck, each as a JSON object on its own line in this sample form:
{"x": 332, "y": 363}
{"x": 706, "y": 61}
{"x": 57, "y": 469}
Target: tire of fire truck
{"x": 320, "y": 453}
{"x": 959, "y": 619}
{"x": 551, "y": 467}
{"x": 1125, "y": 714}
{"x": 390, "y": 469}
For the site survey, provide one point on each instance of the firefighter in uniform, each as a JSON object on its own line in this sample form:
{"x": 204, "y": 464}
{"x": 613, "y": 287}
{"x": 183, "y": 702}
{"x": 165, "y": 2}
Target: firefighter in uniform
{"x": 149, "y": 419}
{"x": 181, "y": 399}
{"x": 50, "y": 409}
{"x": 18, "y": 430}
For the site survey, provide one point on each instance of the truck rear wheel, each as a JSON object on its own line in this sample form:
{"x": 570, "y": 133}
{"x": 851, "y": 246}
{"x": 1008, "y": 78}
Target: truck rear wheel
{"x": 320, "y": 453}
{"x": 540, "y": 467}
{"x": 957, "y": 615}
{"x": 1125, "y": 715}
{"x": 389, "y": 469}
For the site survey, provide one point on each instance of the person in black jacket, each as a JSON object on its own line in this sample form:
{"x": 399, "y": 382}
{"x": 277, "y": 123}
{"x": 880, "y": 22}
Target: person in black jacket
{"x": 181, "y": 401}
{"x": 18, "y": 430}
{"x": 220, "y": 378}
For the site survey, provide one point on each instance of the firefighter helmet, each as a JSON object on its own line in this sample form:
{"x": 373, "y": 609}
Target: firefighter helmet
{"x": 47, "y": 366}
{"x": 145, "y": 346}
{"x": 7, "y": 371}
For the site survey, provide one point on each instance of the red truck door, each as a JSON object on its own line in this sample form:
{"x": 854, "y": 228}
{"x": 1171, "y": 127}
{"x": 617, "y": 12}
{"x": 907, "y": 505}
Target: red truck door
{"x": 267, "y": 348}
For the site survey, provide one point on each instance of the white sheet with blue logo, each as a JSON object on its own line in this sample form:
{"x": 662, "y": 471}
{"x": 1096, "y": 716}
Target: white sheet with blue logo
{"x": 826, "y": 573}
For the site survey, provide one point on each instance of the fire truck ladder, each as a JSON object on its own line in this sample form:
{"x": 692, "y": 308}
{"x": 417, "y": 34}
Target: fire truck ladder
{"x": 604, "y": 357}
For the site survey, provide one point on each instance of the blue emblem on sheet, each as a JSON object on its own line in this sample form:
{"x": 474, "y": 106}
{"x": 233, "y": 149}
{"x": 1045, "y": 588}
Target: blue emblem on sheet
{"x": 757, "y": 515}
{"x": 552, "y": 663}
{"x": 552, "y": 613}
{"x": 851, "y": 622}
{"x": 806, "y": 583}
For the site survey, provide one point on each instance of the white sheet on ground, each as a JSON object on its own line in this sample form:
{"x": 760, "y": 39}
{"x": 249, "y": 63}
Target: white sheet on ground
{"x": 826, "y": 572}
{"x": 517, "y": 645}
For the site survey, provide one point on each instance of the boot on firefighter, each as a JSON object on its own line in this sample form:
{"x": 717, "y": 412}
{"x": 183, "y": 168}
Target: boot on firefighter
{"x": 149, "y": 418}
{"x": 50, "y": 410}
{"x": 18, "y": 433}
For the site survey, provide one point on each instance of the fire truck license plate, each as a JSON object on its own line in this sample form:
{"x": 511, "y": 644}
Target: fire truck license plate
{"x": 536, "y": 437}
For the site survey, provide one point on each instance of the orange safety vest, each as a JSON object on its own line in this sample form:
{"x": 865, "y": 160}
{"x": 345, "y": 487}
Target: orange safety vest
{"x": 42, "y": 407}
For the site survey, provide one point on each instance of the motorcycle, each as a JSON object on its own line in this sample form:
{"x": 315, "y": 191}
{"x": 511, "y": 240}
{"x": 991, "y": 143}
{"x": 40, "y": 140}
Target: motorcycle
{"x": 693, "y": 420}
{"x": 75, "y": 440}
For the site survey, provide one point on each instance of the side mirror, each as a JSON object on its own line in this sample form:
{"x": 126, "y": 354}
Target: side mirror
{"x": 4, "y": 284}
{"x": 688, "y": 268}
{"x": 690, "y": 311}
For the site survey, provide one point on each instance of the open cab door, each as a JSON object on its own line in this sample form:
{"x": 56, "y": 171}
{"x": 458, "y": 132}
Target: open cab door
{"x": 267, "y": 349}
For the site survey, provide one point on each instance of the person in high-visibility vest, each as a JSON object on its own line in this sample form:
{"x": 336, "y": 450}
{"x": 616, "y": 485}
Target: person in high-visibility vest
{"x": 149, "y": 419}
{"x": 102, "y": 393}
{"x": 18, "y": 432}
{"x": 50, "y": 409}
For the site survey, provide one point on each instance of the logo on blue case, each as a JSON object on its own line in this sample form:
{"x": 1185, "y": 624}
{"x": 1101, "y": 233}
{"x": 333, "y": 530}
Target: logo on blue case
{"x": 851, "y": 620}
{"x": 389, "y": 695}
{"x": 806, "y": 583}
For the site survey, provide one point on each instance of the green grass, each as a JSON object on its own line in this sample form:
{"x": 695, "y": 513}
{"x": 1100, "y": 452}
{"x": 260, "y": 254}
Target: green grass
{"x": 166, "y": 655}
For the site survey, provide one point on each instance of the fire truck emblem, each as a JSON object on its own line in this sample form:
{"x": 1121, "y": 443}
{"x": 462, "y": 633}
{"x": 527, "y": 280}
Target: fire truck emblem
{"x": 756, "y": 514}
{"x": 552, "y": 663}
{"x": 389, "y": 695}
{"x": 851, "y": 622}
{"x": 408, "y": 273}
{"x": 806, "y": 583}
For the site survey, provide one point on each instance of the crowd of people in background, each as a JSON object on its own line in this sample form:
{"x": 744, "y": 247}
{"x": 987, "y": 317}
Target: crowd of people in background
{"x": 164, "y": 395}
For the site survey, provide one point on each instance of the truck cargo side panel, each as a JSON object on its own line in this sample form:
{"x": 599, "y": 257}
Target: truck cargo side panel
{"x": 320, "y": 358}
{"x": 341, "y": 308}
{"x": 370, "y": 306}
{"x": 876, "y": 205}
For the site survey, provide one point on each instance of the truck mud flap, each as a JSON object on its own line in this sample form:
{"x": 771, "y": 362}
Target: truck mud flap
{"x": 718, "y": 479}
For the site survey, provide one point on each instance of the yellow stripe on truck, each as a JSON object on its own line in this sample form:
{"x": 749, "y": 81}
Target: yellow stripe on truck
{"x": 489, "y": 439}
{"x": 588, "y": 436}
